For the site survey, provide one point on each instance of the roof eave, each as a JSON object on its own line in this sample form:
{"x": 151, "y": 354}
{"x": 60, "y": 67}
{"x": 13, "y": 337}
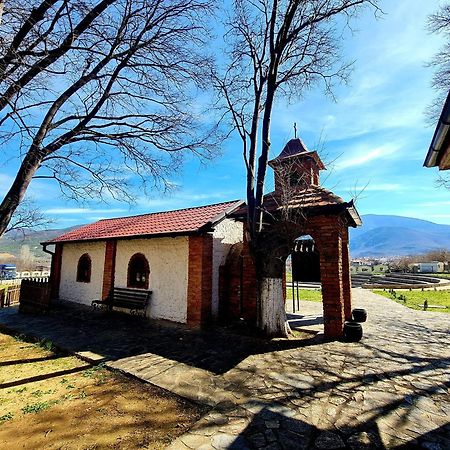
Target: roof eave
{"x": 223, "y": 215}
{"x": 134, "y": 236}
{"x": 206, "y": 227}
{"x": 349, "y": 207}
{"x": 309, "y": 154}
{"x": 353, "y": 213}
{"x": 440, "y": 136}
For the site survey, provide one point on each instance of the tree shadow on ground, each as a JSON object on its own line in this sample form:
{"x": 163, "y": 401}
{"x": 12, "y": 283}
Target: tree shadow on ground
{"x": 28, "y": 360}
{"x": 279, "y": 378}
{"x": 274, "y": 430}
{"x": 114, "y": 336}
{"x": 280, "y": 426}
{"x": 45, "y": 376}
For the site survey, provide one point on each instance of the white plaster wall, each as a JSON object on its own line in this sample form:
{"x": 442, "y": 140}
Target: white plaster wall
{"x": 73, "y": 290}
{"x": 226, "y": 233}
{"x": 168, "y": 260}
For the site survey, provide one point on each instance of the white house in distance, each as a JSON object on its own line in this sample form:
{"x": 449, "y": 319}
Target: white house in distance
{"x": 428, "y": 267}
{"x": 175, "y": 254}
{"x": 357, "y": 266}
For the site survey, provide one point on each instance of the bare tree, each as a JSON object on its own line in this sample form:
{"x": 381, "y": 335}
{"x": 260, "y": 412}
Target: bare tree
{"x": 276, "y": 47}
{"x": 439, "y": 23}
{"x": 95, "y": 94}
{"x": 28, "y": 216}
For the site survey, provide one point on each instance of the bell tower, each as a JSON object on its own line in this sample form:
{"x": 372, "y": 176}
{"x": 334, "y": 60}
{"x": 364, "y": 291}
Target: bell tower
{"x": 296, "y": 167}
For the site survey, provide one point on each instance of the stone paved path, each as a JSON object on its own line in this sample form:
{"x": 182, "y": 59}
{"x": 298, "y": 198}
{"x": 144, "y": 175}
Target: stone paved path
{"x": 391, "y": 390}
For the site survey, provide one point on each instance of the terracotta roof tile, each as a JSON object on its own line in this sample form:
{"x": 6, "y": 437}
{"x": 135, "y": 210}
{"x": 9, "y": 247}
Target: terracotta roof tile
{"x": 311, "y": 197}
{"x": 182, "y": 221}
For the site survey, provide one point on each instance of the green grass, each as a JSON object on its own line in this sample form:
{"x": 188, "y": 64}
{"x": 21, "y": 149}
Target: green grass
{"x": 441, "y": 275}
{"x": 308, "y": 295}
{"x": 6, "y": 417}
{"x": 412, "y": 299}
{"x": 39, "y": 406}
{"x": 20, "y": 337}
{"x": 39, "y": 393}
{"x": 46, "y": 344}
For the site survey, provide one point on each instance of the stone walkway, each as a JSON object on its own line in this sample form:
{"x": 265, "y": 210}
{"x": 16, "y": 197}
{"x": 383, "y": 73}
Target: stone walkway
{"x": 391, "y": 390}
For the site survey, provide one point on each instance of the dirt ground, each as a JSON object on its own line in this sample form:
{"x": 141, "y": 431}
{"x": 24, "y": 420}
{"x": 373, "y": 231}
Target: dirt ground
{"x": 49, "y": 400}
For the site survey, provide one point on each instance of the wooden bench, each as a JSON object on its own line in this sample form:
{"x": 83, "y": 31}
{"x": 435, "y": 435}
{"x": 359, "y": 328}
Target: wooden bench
{"x": 136, "y": 300}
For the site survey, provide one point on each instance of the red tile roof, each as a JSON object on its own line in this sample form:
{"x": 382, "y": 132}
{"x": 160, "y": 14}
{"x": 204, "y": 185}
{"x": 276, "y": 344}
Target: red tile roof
{"x": 312, "y": 196}
{"x": 179, "y": 222}
{"x": 312, "y": 199}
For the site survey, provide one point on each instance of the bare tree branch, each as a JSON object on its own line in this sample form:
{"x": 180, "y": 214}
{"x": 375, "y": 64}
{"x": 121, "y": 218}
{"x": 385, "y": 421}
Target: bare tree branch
{"x": 28, "y": 217}
{"x": 276, "y": 47}
{"x": 439, "y": 23}
{"x": 88, "y": 88}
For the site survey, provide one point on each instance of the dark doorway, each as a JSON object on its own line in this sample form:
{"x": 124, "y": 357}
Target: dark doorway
{"x": 305, "y": 261}
{"x": 302, "y": 266}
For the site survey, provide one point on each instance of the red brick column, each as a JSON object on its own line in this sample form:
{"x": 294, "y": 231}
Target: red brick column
{"x": 109, "y": 268}
{"x": 199, "y": 280}
{"x": 328, "y": 237}
{"x": 346, "y": 280}
{"x": 249, "y": 285}
{"x": 55, "y": 272}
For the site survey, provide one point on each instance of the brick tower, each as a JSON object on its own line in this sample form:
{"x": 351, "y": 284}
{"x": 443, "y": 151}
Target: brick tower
{"x": 296, "y": 167}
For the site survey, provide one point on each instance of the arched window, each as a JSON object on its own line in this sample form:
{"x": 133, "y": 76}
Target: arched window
{"x": 138, "y": 272}
{"x": 297, "y": 180}
{"x": 84, "y": 269}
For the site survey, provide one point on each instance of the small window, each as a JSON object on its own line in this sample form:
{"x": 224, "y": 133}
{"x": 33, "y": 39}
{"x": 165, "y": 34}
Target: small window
{"x": 297, "y": 180}
{"x": 84, "y": 269}
{"x": 138, "y": 272}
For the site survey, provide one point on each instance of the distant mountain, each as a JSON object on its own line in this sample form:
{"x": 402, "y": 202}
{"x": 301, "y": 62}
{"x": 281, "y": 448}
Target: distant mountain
{"x": 14, "y": 242}
{"x": 379, "y": 236}
{"x": 397, "y": 236}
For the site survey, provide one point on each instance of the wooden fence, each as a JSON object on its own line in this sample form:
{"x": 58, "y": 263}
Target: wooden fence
{"x": 14, "y": 281}
{"x": 10, "y": 296}
{"x": 34, "y": 295}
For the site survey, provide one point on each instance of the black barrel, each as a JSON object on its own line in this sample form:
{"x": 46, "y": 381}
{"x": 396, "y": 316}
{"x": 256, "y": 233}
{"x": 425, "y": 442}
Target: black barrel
{"x": 353, "y": 331}
{"x": 359, "y": 315}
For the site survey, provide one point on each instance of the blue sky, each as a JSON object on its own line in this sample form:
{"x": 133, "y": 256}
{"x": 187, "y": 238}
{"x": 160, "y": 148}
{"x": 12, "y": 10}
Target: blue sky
{"x": 375, "y": 135}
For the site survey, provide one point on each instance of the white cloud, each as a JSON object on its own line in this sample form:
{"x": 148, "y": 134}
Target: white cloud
{"x": 435, "y": 204}
{"x": 67, "y": 220}
{"x": 186, "y": 199}
{"x": 83, "y": 211}
{"x": 382, "y": 187}
{"x": 364, "y": 156}
{"x": 390, "y": 86}
{"x": 439, "y": 216}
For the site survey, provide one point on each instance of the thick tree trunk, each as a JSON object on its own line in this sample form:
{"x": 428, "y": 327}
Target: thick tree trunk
{"x": 18, "y": 189}
{"x": 272, "y": 313}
